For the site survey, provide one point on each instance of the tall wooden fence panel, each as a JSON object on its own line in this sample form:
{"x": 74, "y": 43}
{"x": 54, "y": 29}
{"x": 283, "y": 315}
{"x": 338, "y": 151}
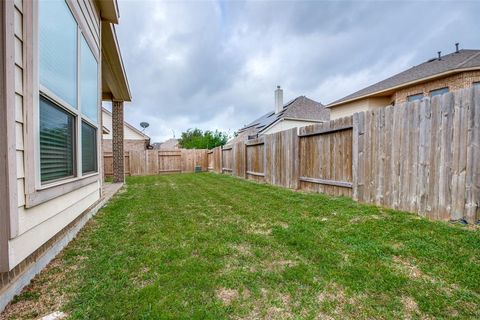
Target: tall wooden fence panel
{"x": 421, "y": 156}
{"x": 169, "y": 161}
{"x": 281, "y": 152}
{"x": 108, "y": 163}
{"x": 326, "y": 157}
{"x": 227, "y": 159}
{"x": 151, "y": 162}
{"x": 238, "y": 159}
{"x": 255, "y": 159}
{"x": 215, "y": 160}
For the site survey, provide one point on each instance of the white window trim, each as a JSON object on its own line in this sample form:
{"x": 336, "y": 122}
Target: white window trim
{"x": 35, "y": 192}
{"x": 76, "y": 112}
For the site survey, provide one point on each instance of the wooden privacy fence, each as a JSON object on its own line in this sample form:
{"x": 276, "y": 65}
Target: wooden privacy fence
{"x": 421, "y": 156}
{"x": 150, "y": 162}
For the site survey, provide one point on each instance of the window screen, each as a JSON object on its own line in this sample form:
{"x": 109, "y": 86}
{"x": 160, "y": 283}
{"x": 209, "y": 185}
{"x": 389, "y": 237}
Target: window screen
{"x": 56, "y": 142}
{"x": 89, "y": 148}
{"x": 58, "y": 50}
{"x": 437, "y": 92}
{"x": 414, "y": 97}
{"x": 88, "y": 82}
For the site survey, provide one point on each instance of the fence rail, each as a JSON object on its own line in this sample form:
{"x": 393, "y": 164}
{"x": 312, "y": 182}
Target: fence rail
{"x": 421, "y": 156}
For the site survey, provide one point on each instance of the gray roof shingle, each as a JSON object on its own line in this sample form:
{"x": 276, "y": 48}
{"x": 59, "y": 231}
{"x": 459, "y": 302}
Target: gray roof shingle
{"x": 457, "y": 60}
{"x": 301, "y": 108}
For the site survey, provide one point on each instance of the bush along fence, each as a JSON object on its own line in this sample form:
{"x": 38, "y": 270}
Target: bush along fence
{"x": 421, "y": 156}
{"x": 151, "y": 162}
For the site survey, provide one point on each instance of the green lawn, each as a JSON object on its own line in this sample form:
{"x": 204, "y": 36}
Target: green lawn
{"x": 206, "y": 246}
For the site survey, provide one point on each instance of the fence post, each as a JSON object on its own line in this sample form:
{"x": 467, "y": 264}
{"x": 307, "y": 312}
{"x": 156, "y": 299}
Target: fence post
{"x": 472, "y": 203}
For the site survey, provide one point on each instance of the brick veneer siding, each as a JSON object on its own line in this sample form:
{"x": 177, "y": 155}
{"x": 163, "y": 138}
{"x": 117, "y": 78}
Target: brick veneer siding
{"x": 117, "y": 133}
{"x": 128, "y": 145}
{"x": 454, "y": 82}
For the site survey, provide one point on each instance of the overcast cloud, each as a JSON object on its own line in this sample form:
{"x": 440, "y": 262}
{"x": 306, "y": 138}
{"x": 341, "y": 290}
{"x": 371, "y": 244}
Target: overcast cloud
{"x": 215, "y": 64}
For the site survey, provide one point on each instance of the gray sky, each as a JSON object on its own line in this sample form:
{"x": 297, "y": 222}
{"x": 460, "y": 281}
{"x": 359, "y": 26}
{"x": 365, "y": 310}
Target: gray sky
{"x": 215, "y": 64}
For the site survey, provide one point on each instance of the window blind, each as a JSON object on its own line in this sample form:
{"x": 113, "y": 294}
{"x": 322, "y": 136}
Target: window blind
{"x": 56, "y": 142}
{"x": 89, "y": 148}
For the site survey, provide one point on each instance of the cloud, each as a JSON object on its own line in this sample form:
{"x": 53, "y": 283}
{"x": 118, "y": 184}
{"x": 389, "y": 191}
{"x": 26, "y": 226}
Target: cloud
{"x": 215, "y": 64}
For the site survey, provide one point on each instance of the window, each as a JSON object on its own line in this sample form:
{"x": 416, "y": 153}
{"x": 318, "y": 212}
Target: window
{"x": 89, "y": 148}
{"x": 89, "y": 82}
{"x": 414, "y": 97}
{"x": 437, "y": 92}
{"x": 476, "y": 84}
{"x": 56, "y": 141}
{"x": 69, "y": 94}
{"x": 58, "y": 50}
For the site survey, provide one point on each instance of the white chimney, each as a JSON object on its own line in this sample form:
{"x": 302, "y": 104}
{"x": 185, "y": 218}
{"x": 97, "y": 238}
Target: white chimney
{"x": 278, "y": 100}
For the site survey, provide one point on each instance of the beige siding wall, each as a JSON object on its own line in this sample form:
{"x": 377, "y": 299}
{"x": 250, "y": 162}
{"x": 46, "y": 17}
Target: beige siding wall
{"x": 288, "y": 124}
{"x": 41, "y": 222}
{"x": 349, "y": 109}
{"x": 128, "y": 133}
{"x": 19, "y": 119}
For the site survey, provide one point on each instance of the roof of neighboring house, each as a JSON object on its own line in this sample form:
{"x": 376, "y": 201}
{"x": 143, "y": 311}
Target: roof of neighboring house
{"x": 450, "y": 63}
{"x": 300, "y": 108}
{"x": 126, "y": 124}
{"x": 170, "y": 144}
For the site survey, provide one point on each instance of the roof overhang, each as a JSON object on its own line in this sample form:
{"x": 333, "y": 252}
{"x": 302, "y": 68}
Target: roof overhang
{"x": 114, "y": 78}
{"x": 109, "y": 10}
{"x": 391, "y": 90}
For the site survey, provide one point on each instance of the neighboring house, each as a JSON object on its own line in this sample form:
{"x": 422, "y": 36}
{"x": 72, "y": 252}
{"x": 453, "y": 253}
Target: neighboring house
{"x": 58, "y": 60}
{"x": 170, "y": 144}
{"x": 457, "y": 70}
{"x": 133, "y": 139}
{"x": 299, "y": 112}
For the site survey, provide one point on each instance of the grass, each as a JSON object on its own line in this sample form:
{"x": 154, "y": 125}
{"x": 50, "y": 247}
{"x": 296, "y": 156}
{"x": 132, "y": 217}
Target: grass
{"x": 205, "y": 246}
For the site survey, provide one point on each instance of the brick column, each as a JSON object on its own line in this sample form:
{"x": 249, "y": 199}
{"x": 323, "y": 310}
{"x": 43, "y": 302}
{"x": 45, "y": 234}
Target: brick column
{"x": 117, "y": 142}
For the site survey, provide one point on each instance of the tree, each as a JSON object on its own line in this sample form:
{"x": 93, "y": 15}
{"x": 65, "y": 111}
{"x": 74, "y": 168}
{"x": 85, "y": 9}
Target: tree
{"x": 197, "y": 139}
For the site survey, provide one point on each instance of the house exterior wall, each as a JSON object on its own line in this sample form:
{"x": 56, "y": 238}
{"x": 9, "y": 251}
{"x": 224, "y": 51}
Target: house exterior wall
{"x": 128, "y": 145}
{"x": 350, "y": 108}
{"x": 129, "y": 134}
{"x": 41, "y": 213}
{"x": 288, "y": 124}
{"x": 454, "y": 82}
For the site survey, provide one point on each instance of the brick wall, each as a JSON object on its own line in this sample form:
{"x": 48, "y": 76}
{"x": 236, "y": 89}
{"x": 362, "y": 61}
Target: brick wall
{"x": 454, "y": 82}
{"x": 128, "y": 145}
{"x": 117, "y": 133}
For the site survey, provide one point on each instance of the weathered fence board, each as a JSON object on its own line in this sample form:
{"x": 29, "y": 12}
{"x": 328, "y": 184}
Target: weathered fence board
{"x": 227, "y": 159}
{"x": 255, "y": 159}
{"x": 281, "y": 153}
{"x": 326, "y": 157}
{"x": 108, "y": 163}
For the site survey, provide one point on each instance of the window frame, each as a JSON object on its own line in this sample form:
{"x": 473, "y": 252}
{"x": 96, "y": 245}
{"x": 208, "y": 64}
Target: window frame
{"x": 37, "y": 192}
{"x": 414, "y": 95}
{"x": 438, "y": 89}
{"x": 95, "y": 129}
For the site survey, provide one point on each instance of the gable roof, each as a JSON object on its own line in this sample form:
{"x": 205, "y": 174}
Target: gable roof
{"x": 450, "y": 63}
{"x": 300, "y": 108}
{"x": 125, "y": 124}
